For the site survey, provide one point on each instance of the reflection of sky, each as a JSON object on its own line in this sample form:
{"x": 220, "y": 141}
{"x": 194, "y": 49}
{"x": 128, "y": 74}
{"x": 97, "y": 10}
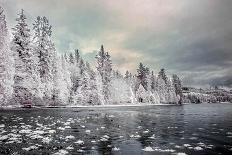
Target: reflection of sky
{"x": 191, "y": 38}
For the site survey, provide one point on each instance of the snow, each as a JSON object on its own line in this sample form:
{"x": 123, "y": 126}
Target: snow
{"x": 116, "y": 149}
{"x": 46, "y": 140}
{"x": 69, "y": 137}
{"x": 2, "y": 125}
{"x": 148, "y": 149}
{"x": 69, "y": 148}
{"x": 52, "y": 131}
{"x": 4, "y": 137}
{"x": 198, "y": 148}
{"x": 30, "y": 148}
{"x": 79, "y": 142}
{"x": 61, "y": 152}
{"x": 181, "y": 153}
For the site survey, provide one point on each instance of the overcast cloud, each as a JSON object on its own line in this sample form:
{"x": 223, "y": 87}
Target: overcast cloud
{"x": 192, "y": 38}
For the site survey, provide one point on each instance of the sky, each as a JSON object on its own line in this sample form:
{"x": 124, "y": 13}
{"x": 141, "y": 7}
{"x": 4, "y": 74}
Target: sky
{"x": 191, "y": 38}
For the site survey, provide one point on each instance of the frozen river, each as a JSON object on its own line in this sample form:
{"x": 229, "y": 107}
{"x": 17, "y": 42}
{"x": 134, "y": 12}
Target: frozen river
{"x": 188, "y": 129}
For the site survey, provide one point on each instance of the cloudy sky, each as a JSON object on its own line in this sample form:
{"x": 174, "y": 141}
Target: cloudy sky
{"x": 192, "y": 38}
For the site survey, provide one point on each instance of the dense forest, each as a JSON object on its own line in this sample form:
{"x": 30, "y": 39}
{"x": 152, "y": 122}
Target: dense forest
{"x": 32, "y": 70}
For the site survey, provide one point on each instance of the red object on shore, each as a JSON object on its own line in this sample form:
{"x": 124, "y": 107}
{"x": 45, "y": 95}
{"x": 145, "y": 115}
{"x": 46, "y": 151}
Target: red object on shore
{"x": 27, "y": 104}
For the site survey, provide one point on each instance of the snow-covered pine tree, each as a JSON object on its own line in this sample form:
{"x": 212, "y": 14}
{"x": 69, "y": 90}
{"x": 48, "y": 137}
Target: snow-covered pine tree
{"x": 6, "y": 63}
{"x": 178, "y": 87}
{"x": 62, "y": 82}
{"x": 45, "y": 50}
{"x": 163, "y": 75}
{"x": 171, "y": 95}
{"x": 127, "y": 74}
{"x": 104, "y": 68}
{"x": 143, "y": 73}
{"x": 77, "y": 56}
{"x": 25, "y": 78}
{"x": 71, "y": 58}
{"x": 153, "y": 81}
{"x": 161, "y": 89}
{"x": 87, "y": 92}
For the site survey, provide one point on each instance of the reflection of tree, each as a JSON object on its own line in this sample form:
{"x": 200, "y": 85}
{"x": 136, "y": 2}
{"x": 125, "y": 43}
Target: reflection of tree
{"x": 103, "y": 146}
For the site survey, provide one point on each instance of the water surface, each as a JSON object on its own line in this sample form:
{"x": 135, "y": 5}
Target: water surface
{"x": 188, "y": 129}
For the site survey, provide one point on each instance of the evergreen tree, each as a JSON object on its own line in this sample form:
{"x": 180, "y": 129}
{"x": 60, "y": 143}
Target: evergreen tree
{"x": 25, "y": 80}
{"x": 71, "y": 58}
{"x": 77, "y": 56}
{"x": 178, "y": 87}
{"x": 143, "y": 73}
{"x": 163, "y": 75}
{"x": 46, "y": 53}
{"x": 104, "y": 67}
{"x": 6, "y": 62}
{"x": 153, "y": 81}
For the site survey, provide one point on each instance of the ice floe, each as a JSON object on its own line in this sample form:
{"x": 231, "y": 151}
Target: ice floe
{"x": 2, "y": 125}
{"x": 116, "y": 149}
{"x": 148, "y": 149}
{"x": 61, "y": 152}
{"x": 198, "y": 148}
{"x": 79, "y": 142}
{"x": 30, "y": 148}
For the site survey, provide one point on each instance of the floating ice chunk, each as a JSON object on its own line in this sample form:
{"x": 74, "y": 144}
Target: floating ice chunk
{"x": 70, "y": 137}
{"x": 4, "y": 137}
{"x": 52, "y": 131}
{"x": 111, "y": 116}
{"x": 40, "y": 132}
{"x": 67, "y": 123}
{"x": 103, "y": 127}
{"x": 79, "y": 150}
{"x": 198, "y": 148}
{"x": 93, "y": 141}
{"x": 47, "y": 140}
{"x": 61, "y": 152}
{"x": 181, "y": 153}
{"x": 229, "y": 133}
{"x": 69, "y": 148}
{"x": 104, "y": 138}
{"x": 146, "y": 131}
{"x": 25, "y": 131}
{"x": 148, "y": 149}
{"x": 87, "y": 131}
{"x": 177, "y": 146}
{"x": 152, "y": 137}
{"x": 120, "y": 136}
{"x": 193, "y": 138}
{"x": 2, "y": 125}
{"x": 137, "y": 136}
{"x": 116, "y": 149}
{"x": 67, "y": 127}
{"x": 186, "y": 145}
{"x": 60, "y": 128}
{"x": 82, "y": 126}
{"x": 30, "y": 148}
{"x": 79, "y": 142}
{"x": 139, "y": 127}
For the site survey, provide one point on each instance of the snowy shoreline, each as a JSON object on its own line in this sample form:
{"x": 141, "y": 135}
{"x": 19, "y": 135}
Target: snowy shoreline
{"x": 102, "y": 106}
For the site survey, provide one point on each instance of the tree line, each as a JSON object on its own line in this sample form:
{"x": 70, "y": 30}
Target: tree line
{"x": 32, "y": 69}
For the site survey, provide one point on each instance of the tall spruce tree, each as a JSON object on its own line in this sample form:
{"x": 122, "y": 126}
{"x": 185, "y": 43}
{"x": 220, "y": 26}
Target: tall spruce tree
{"x": 178, "y": 87}
{"x": 104, "y": 68}
{"x": 6, "y": 62}
{"x": 45, "y": 50}
{"x": 25, "y": 78}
